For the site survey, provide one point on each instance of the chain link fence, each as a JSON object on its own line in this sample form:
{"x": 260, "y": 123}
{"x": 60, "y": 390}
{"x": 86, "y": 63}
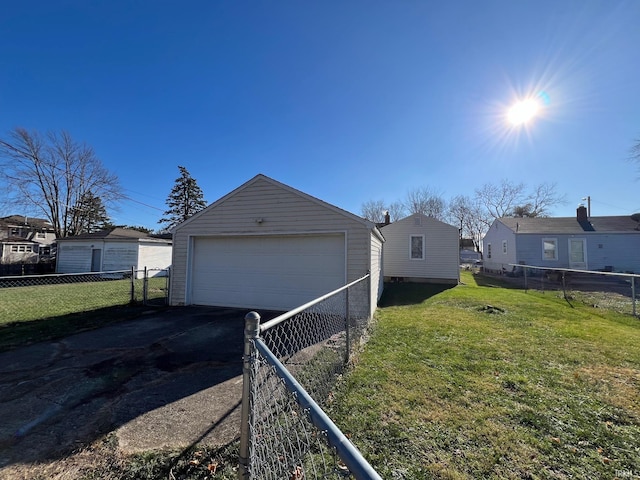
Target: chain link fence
{"x": 151, "y": 286}
{"x": 611, "y": 290}
{"x": 36, "y": 297}
{"x": 292, "y": 364}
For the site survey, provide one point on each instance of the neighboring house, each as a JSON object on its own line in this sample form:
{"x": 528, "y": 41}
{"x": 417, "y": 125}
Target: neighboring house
{"x": 469, "y": 256}
{"x": 18, "y": 250}
{"x": 111, "y": 250}
{"x": 419, "y": 248}
{"x": 25, "y": 240}
{"x": 268, "y": 246}
{"x": 580, "y": 242}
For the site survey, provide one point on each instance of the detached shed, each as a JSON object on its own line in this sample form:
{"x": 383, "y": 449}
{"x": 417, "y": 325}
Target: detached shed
{"x": 113, "y": 250}
{"x": 422, "y": 249}
{"x": 268, "y": 246}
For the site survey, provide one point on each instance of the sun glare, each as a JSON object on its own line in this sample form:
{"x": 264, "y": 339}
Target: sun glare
{"x": 523, "y": 111}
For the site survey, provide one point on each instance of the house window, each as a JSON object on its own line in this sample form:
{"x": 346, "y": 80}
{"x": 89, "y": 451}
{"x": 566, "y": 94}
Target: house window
{"x": 504, "y": 247}
{"x": 41, "y": 235}
{"x": 550, "y": 249}
{"x": 416, "y": 247}
{"x": 14, "y": 248}
{"x": 22, "y": 248}
{"x": 488, "y": 250}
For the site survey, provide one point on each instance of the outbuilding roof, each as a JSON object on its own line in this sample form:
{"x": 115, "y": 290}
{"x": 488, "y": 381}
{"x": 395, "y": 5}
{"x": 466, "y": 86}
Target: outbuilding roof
{"x": 116, "y": 233}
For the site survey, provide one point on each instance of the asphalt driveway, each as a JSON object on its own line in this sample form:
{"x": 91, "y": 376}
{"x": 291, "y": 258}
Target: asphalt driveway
{"x": 169, "y": 379}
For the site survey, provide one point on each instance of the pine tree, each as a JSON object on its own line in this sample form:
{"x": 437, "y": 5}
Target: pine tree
{"x": 185, "y": 200}
{"x": 90, "y": 214}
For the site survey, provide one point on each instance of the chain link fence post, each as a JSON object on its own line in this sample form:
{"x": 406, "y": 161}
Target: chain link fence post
{"x": 133, "y": 285}
{"x": 251, "y": 332}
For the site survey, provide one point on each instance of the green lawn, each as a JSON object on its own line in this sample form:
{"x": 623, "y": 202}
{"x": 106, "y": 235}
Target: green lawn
{"x": 34, "y": 313}
{"x": 449, "y": 388}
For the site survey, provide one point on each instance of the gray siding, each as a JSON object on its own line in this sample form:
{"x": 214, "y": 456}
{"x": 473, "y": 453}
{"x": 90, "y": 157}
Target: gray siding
{"x": 441, "y": 249}
{"x": 620, "y": 251}
{"x": 119, "y": 256}
{"x": 74, "y": 257}
{"x": 263, "y": 207}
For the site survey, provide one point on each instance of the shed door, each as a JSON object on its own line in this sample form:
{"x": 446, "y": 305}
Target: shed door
{"x": 266, "y": 272}
{"x": 96, "y": 259}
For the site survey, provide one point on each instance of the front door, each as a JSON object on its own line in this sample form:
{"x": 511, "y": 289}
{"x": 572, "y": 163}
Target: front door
{"x": 578, "y": 253}
{"x": 96, "y": 259}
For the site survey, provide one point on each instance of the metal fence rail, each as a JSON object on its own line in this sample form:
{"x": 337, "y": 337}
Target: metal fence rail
{"x": 36, "y": 297}
{"x": 616, "y": 291}
{"x": 291, "y": 365}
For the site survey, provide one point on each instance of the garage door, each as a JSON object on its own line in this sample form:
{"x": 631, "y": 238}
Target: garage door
{"x": 266, "y": 272}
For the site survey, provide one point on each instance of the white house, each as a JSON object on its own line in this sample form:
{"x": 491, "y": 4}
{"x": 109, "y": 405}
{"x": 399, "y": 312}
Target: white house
{"x": 419, "y": 248}
{"x": 111, "y": 250}
{"x": 581, "y": 242}
{"x": 268, "y": 246}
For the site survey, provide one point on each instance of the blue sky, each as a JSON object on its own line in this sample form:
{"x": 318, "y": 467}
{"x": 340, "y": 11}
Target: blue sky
{"x": 348, "y": 101}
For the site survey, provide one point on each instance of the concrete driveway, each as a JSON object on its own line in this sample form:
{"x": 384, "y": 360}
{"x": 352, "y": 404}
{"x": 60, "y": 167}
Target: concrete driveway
{"x": 169, "y": 379}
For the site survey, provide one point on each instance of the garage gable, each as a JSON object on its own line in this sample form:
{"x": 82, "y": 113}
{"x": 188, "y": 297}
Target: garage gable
{"x": 276, "y": 247}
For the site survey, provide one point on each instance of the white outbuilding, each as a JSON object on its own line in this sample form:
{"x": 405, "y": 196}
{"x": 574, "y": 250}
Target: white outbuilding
{"x": 114, "y": 249}
{"x": 268, "y": 246}
{"x": 419, "y": 248}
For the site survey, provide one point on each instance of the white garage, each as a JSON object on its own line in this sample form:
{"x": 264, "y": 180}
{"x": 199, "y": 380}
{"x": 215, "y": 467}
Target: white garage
{"x": 268, "y": 246}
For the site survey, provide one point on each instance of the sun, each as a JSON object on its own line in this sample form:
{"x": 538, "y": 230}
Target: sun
{"x": 522, "y": 112}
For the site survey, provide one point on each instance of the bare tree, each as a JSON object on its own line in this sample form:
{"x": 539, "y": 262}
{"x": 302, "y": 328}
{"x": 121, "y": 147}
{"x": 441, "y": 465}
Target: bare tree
{"x": 51, "y": 173}
{"x": 425, "y": 201}
{"x": 542, "y": 198}
{"x": 635, "y": 151}
{"x": 373, "y": 210}
{"x": 396, "y": 211}
{"x": 469, "y": 216}
{"x": 500, "y": 200}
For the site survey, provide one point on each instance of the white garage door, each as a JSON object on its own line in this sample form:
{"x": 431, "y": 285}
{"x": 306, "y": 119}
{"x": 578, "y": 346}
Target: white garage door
{"x": 266, "y": 272}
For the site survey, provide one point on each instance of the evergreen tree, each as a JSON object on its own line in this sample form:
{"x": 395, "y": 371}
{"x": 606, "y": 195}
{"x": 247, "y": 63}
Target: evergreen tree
{"x": 91, "y": 214}
{"x": 185, "y": 200}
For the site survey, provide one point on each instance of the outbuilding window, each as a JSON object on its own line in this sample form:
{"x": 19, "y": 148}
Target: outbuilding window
{"x": 416, "y": 247}
{"x": 504, "y": 247}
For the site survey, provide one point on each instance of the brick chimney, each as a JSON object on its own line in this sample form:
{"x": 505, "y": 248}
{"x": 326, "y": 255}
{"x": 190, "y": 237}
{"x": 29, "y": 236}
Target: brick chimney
{"x": 581, "y": 214}
{"x": 387, "y": 218}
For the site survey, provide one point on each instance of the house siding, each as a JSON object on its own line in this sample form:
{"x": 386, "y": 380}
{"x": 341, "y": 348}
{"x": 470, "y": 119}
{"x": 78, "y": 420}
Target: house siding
{"x": 499, "y": 261}
{"x": 441, "y": 250}
{"x": 119, "y": 256}
{"x": 377, "y": 279}
{"x": 281, "y": 211}
{"x": 74, "y": 257}
{"x": 154, "y": 256}
{"x": 619, "y": 251}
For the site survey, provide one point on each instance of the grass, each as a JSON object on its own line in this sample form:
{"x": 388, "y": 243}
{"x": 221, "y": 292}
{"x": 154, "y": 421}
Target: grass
{"x": 44, "y": 312}
{"x": 448, "y": 387}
